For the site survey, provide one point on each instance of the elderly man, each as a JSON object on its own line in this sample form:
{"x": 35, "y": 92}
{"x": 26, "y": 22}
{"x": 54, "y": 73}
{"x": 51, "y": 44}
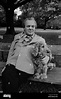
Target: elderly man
{"x": 19, "y": 66}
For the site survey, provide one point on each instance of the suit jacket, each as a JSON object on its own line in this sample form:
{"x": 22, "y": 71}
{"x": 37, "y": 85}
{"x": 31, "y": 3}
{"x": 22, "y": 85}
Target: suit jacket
{"x": 19, "y": 53}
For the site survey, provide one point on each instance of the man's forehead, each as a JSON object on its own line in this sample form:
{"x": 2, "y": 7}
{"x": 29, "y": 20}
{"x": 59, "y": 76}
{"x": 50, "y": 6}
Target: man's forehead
{"x": 30, "y": 22}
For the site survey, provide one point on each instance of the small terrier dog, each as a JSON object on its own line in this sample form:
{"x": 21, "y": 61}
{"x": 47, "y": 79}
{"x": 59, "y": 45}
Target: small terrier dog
{"x": 41, "y": 57}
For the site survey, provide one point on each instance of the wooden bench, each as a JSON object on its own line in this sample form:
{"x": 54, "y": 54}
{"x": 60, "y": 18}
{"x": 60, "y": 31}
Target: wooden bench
{"x": 53, "y": 39}
{"x": 4, "y": 48}
{"x": 2, "y": 65}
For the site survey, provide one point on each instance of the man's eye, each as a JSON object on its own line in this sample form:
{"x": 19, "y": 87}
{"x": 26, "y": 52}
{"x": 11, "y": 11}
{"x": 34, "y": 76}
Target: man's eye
{"x": 28, "y": 25}
{"x": 31, "y": 26}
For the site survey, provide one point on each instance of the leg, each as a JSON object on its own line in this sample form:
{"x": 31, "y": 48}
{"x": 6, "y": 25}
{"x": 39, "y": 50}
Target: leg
{"x": 23, "y": 77}
{"x": 44, "y": 75}
{"x": 10, "y": 80}
{"x": 45, "y": 69}
{"x": 38, "y": 72}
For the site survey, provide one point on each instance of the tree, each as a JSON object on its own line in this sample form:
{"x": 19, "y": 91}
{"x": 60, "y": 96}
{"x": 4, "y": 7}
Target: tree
{"x": 9, "y": 6}
{"x": 42, "y": 10}
{"x": 2, "y": 15}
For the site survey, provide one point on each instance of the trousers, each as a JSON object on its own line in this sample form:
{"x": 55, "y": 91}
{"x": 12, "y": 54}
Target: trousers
{"x": 13, "y": 78}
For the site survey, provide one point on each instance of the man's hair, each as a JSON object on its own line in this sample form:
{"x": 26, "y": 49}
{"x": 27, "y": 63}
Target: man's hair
{"x": 30, "y": 18}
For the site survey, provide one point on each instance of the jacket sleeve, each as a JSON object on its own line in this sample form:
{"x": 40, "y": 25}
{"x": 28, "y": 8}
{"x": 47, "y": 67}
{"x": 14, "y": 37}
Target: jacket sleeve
{"x": 14, "y": 50}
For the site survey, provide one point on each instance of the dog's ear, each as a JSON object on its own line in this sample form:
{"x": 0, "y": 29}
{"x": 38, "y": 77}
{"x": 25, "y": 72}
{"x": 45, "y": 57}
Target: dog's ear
{"x": 34, "y": 52}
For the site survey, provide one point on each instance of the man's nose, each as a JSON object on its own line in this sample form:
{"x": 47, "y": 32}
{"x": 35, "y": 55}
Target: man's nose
{"x": 30, "y": 27}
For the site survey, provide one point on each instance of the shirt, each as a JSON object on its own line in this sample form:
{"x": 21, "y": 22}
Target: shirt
{"x": 19, "y": 53}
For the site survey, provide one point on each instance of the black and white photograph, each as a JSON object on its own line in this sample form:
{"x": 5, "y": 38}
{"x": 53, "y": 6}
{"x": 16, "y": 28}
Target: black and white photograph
{"x": 30, "y": 47}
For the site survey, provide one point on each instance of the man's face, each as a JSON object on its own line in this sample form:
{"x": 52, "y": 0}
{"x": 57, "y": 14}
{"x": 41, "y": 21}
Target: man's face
{"x": 30, "y": 27}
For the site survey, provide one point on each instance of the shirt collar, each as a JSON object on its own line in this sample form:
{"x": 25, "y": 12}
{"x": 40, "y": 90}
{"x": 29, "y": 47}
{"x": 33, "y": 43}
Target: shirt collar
{"x": 27, "y": 39}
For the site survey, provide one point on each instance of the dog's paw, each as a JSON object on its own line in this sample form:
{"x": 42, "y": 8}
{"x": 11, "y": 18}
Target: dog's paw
{"x": 43, "y": 76}
{"x": 37, "y": 76}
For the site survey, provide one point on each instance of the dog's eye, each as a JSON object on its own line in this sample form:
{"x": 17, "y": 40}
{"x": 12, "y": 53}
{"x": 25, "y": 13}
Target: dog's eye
{"x": 42, "y": 46}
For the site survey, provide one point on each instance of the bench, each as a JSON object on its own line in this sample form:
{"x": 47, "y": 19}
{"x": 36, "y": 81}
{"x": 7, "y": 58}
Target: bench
{"x": 53, "y": 39}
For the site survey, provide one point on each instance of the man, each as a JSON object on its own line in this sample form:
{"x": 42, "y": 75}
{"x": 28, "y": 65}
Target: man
{"x": 19, "y": 66}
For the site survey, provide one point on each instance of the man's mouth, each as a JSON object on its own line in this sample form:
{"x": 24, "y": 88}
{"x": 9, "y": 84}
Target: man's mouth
{"x": 30, "y": 31}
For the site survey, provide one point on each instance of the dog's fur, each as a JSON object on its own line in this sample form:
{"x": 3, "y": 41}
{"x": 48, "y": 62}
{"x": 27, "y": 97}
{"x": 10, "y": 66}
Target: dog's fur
{"x": 41, "y": 57}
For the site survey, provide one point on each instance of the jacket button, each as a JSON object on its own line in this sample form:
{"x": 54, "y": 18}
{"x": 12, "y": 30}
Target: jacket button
{"x": 19, "y": 73}
{"x": 8, "y": 82}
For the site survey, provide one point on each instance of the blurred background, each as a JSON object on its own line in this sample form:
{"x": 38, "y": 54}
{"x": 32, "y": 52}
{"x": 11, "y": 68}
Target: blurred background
{"x": 46, "y": 12}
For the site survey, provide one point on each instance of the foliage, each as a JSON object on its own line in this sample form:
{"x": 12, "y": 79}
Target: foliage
{"x": 2, "y": 15}
{"x": 44, "y": 11}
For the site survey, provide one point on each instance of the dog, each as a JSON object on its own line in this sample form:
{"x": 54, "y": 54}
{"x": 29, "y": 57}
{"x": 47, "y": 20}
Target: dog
{"x": 41, "y": 57}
